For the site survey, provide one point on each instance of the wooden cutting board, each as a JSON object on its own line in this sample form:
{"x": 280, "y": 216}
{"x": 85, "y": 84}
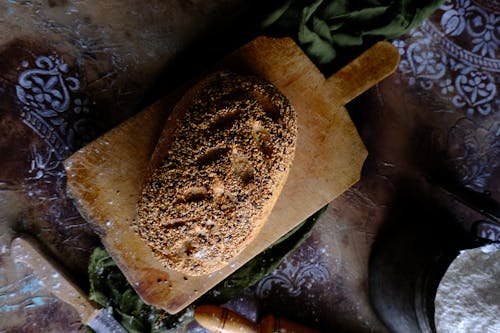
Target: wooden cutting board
{"x": 105, "y": 177}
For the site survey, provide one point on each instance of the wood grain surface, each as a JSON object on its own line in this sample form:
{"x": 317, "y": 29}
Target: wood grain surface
{"x": 105, "y": 177}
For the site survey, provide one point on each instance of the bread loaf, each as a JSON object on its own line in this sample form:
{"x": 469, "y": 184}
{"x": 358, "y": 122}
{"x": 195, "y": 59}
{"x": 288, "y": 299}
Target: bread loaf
{"x": 221, "y": 163}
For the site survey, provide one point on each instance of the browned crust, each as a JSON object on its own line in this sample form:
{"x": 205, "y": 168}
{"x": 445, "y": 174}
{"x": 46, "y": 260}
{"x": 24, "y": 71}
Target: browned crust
{"x": 217, "y": 172}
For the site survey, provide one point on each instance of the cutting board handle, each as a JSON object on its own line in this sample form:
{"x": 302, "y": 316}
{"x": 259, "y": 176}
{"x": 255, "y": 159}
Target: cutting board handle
{"x": 371, "y": 67}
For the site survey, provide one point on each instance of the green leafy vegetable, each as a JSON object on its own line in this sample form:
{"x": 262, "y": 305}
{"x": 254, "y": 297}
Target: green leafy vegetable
{"x": 109, "y": 287}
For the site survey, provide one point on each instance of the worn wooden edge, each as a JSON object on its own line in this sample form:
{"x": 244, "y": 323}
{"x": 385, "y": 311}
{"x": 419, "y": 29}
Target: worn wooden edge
{"x": 96, "y": 145}
{"x": 84, "y": 200}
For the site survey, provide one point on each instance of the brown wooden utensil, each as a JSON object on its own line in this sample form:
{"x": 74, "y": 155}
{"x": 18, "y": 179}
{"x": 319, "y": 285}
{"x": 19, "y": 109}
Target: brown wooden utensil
{"x": 221, "y": 320}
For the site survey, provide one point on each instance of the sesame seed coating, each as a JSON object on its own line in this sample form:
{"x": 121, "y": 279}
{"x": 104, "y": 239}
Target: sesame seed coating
{"x": 228, "y": 158}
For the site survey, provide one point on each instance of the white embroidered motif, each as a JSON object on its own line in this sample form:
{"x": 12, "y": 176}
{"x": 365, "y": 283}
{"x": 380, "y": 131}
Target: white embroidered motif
{"x": 460, "y": 16}
{"x": 44, "y": 164}
{"x": 48, "y": 93}
{"x": 464, "y": 76}
{"x": 293, "y": 280}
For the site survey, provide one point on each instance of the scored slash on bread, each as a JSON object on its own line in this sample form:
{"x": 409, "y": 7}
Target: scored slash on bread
{"x": 216, "y": 173}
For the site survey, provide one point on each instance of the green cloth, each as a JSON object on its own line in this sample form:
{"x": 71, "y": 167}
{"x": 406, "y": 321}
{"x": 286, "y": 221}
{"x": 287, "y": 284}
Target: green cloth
{"x": 327, "y": 28}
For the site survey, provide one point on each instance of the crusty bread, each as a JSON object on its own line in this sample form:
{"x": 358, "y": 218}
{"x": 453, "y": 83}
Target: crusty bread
{"x": 221, "y": 163}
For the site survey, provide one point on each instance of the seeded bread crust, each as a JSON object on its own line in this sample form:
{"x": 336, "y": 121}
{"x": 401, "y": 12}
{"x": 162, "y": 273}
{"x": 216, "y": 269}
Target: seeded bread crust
{"x": 221, "y": 164}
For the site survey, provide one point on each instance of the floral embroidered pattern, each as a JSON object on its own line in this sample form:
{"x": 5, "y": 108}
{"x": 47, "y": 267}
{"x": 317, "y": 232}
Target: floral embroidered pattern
{"x": 429, "y": 56}
{"x": 466, "y": 76}
{"x": 422, "y": 61}
{"x": 54, "y": 107}
{"x": 51, "y": 96}
{"x": 81, "y": 106}
{"x": 44, "y": 164}
{"x": 476, "y": 89}
{"x": 474, "y": 151}
{"x": 482, "y": 26}
{"x": 46, "y": 88}
{"x": 303, "y": 280}
{"x": 293, "y": 280}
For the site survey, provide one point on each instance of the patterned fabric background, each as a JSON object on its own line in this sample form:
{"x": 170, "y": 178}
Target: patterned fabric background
{"x": 446, "y": 85}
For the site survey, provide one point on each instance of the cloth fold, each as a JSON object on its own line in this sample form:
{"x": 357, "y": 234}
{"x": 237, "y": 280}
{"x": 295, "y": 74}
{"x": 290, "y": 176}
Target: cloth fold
{"x": 326, "y": 28}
